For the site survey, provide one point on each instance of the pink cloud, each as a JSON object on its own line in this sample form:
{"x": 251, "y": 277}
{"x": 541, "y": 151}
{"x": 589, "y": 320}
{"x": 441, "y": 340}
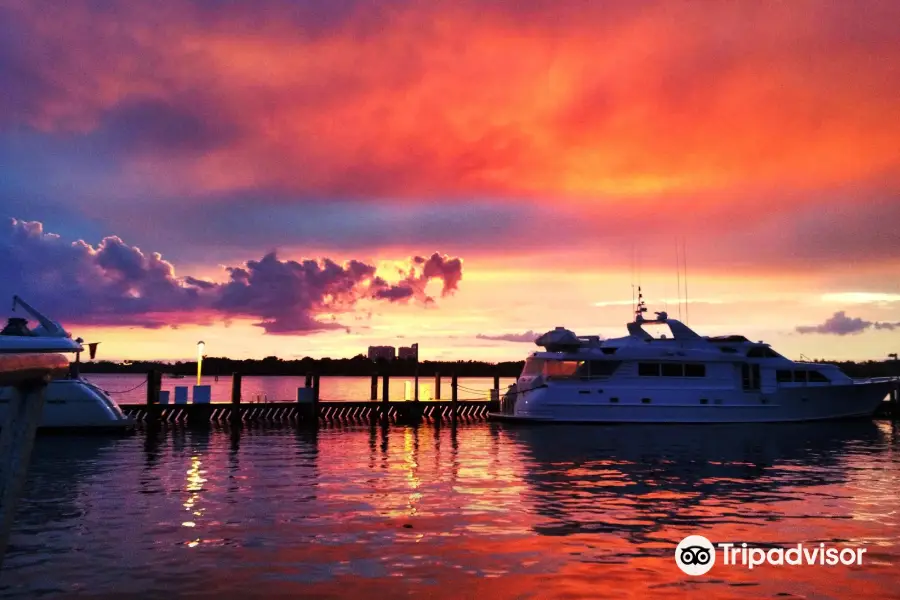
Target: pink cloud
{"x": 118, "y": 284}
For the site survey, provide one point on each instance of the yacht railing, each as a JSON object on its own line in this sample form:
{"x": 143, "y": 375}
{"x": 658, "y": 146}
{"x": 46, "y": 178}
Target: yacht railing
{"x": 870, "y": 380}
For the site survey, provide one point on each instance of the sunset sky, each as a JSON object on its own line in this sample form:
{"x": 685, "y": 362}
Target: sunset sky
{"x": 311, "y": 178}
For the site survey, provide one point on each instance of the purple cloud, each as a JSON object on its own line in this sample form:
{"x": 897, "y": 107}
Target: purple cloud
{"x": 840, "y": 324}
{"x": 118, "y": 284}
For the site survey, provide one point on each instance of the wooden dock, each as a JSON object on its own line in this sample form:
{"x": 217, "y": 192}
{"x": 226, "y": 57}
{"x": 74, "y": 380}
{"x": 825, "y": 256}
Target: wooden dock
{"x": 309, "y": 410}
{"x": 407, "y": 412}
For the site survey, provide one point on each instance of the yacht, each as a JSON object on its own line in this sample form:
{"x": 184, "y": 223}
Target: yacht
{"x": 679, "y": 378}
{"x": 70, "y": 403}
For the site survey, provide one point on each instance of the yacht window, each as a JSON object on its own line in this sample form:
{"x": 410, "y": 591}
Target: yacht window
{"x": 533, "y": 366}
{"x": 815, "y": 376}
{"x": 728, "y": 350}
{"x": 604, "y": 368}
{"x": 694, "y": 370}
{"x": 582, "y": 371}
{"x": 783, "y": 376}
{"x": 561, "y": 368}
{"x": 672, "y": 369}
{"x": 608, "y": 350}
{"x": 800, "y": 376}
{"x": 769, "y": 353}
{"x": 648, "y": 369}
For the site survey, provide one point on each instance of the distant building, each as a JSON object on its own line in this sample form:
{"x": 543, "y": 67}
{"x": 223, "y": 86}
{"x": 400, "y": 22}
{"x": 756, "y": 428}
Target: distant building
{"x": 408, "y": 353}
{"x": 381, "y": 353}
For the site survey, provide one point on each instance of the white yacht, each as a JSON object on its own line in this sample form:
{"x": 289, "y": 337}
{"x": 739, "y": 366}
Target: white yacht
{"x": 71, "y": 403}
{"x": 682, "y": 378}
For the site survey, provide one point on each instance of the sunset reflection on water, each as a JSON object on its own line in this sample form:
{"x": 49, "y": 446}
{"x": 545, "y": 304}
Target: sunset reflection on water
{"x": 543, "y": 512}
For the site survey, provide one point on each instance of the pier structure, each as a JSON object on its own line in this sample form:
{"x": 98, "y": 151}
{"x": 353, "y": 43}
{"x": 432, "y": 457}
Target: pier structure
{"x": 310, "y": 409}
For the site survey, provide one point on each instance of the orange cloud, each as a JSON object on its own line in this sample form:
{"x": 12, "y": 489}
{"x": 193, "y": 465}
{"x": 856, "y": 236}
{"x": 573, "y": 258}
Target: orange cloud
{"x": 429, "y": 101}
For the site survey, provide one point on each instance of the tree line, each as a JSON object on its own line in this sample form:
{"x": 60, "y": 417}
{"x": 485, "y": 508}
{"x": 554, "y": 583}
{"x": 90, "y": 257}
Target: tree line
{"x": 272, "y": 365}
{"x": 361, "y": 366}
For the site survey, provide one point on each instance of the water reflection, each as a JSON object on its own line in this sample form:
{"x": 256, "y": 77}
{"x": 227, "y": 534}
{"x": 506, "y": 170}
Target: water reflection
{"x": 60, "y": 466}
{"x": 638, "y": 480}
{"x": 441, "y": 511}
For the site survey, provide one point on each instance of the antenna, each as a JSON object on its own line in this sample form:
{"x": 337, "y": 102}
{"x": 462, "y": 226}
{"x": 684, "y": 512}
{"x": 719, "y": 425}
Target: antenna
{"x": 687, "y": 316}
{"x": 633, "y": 306}
{"x": 678, "y": 275}
{"x": 641, "y": 307}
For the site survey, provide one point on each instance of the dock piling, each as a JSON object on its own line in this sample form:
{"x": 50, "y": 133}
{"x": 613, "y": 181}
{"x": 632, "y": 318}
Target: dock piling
{"x": 437, "y": 386}
{"x": 454, "y": 396}
{"x": 28, "y": 375}
{"x": 236, "y": 381}
{"x": 495, "y": 394}
{"x": 374, "y": 388}
{"x": 385, "y": 397}
{"x": 17, "y": 441}
{"x": 152, "y": 393}
{"x": 154, "y": 385}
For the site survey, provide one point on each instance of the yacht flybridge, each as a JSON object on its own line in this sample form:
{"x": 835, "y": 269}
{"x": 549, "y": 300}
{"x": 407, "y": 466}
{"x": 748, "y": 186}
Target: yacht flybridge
{"x": 68, "y": 403}
{"x": 682, "y": 378}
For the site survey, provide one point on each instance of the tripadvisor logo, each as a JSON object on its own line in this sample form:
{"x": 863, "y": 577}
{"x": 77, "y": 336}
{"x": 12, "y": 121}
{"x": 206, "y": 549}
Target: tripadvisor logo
{"x": 696, "y": 555}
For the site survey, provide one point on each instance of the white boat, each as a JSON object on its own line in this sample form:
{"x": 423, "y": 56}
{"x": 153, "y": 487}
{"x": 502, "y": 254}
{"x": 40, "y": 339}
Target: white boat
{"x": 682, "y": 378}
{"x": 71, "y": 403}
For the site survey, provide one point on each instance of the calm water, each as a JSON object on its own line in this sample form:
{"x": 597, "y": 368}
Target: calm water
{"x": 123, "y": 388}
{"x": 479, "y": 511}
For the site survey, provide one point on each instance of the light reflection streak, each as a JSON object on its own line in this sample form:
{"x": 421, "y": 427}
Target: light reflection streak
{"x": 194, "y": 486}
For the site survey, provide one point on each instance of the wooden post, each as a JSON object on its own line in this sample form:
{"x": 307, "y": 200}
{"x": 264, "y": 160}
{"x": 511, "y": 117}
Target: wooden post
{"x": 236, "y": 380}
{"x": 236, "y": 388}
{"x": 28, "y": 374}
{"x": 315, "y": 406}
{"x": 152, "y": 392}
{"x": 385, "y": 396}
{"x": 154, "y": 384}
{"x": 437, "y": 386}
{"x": 16, "y": 442}
{"x": 315, "y": 383}
{"x": 374, "y": 390}
{"x": 497, "y": 382}
{"x": 309, "y": 380}
{"x": 454, "y": 395}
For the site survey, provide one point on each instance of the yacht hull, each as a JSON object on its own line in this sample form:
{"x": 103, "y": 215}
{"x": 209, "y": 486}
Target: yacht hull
{"x": 580, "y": 404}
{"x": 74, "y": 404}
